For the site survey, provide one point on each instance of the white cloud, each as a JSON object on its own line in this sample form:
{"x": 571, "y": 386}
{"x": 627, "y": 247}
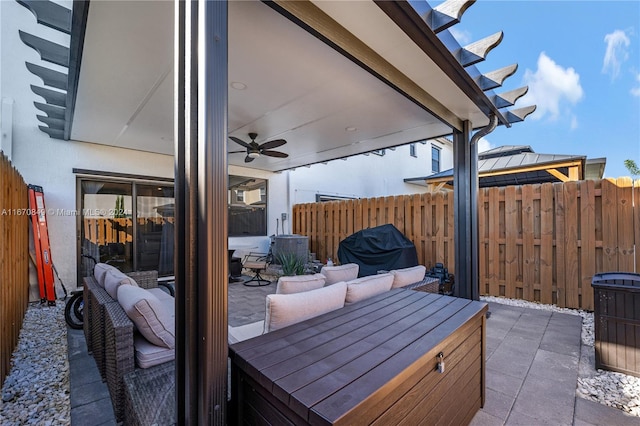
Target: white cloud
{"x": 616, "y": 53}
{"x": 463, "y": 37}
{"x": 574, "y": 122}
{"x": 484, "y": 145}
{"x": 553, "y": 89}
{"x": 635, "y": 91}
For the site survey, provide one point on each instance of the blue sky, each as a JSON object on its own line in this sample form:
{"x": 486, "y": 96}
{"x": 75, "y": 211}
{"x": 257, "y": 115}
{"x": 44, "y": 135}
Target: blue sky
{"x": 581, "y": 61}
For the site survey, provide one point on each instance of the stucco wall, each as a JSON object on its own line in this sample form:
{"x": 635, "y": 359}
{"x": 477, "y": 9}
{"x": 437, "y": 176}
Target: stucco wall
{"x": 49, "y": 162}
{"x": 366, "y": 176}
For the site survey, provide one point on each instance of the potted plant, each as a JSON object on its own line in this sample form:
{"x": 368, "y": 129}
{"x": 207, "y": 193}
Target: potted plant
{"x": 292, "y": 264}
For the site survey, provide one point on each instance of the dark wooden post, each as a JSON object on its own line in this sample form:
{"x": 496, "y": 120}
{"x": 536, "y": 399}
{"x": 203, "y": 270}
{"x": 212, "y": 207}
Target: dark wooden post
{"x": 201, "y": 211}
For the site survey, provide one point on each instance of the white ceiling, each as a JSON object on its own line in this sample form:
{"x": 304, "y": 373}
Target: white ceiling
{"x": 298, "y": 88}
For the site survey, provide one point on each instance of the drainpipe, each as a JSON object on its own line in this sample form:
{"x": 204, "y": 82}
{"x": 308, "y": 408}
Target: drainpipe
{"x": 465, "y": 195}
{"x": 493, "y": 123}
{"x": 475, "y": 179}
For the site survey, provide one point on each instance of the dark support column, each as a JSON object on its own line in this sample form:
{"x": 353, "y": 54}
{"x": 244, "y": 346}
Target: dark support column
{"x": 201, "y": 211}
{"x": 465, "y": 187}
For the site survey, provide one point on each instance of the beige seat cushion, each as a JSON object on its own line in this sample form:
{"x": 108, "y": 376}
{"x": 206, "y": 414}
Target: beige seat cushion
{"x": 406, "y": 276}
{"x": 154, "y": 319}
{"x": 365, "y": 287}
{"x": 148, "y": 354}
{"x": 299, "y": 283}
{"x": 114, "y": 279}
{"x": 286, "y": 309}
{"x": 100, "y": 270}
{"x": 335, "y": 274}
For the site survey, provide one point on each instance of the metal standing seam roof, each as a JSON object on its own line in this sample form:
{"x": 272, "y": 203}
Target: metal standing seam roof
{"x": 510, "y": 158}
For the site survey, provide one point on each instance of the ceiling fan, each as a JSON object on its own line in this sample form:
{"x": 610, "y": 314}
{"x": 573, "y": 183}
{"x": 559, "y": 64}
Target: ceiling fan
{"x": 254, "y": 150}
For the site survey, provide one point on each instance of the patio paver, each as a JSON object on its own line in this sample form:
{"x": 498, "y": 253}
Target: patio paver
{"x": 531, "y": 378}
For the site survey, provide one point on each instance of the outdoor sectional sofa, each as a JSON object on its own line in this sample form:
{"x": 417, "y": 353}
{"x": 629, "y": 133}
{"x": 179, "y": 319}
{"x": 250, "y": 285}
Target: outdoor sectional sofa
{"x": 301, "y": 297}
{"x": 129, "y": 326}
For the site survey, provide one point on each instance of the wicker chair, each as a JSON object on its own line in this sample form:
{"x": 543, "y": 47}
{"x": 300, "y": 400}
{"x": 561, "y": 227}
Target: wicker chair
{"x": 120, "y": 363}
{"x": 96, "y": 298}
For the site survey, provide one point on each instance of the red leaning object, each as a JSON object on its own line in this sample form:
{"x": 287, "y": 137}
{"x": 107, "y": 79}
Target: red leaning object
{"x": 44, "y": 262}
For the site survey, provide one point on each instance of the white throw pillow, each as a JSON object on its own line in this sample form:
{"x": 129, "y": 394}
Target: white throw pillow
{"x": 153, "y": 320}
{"x": 100, "y": 270}
{"x": 406, "y": 276}
{"x": 299, "y": 283}
{"x": 366, "y": 287}
{"x": 287, "y": 309}
{"x": 114, "y": 279}
{"x": 335, "y": 274}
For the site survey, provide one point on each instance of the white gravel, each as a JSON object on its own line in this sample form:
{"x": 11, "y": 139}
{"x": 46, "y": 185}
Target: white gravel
{"x": 605, "y": 387}
{"x": 36, "y": 391}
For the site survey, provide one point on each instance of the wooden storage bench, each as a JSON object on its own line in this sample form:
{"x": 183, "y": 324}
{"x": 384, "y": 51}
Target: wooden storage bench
{"x": 373, "y": 362}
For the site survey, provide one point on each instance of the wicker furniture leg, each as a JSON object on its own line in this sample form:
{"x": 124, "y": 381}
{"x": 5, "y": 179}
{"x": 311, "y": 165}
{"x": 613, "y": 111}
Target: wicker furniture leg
{"x": 150, "y": 396}
{"x": 119, "y": 354}
{"x": 99, "y": 298}
{"x": 86, "y": 316}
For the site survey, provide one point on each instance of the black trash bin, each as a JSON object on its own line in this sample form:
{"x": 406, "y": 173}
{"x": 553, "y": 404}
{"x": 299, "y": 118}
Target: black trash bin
{"x": 617, "y": 321}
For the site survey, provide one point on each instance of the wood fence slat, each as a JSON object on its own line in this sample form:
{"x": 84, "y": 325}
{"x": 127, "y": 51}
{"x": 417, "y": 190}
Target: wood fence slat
{"x": 609, "y": 225}
{"x": 571, "y": 244}
{"x": 511, "y": 234}
{"x": 625, "y": 225}
{"x": 636, "y": 223}
{"x": 587, "y": 242}
{"x": 439, "y": 228}
{"x": 14, "y": 278}
{"x": 546, "y": 243}
{"x": 494, "y": 236}
{"x": 451, "y": 258}
{"x": 528, "y": 259}
{"x": 483, "y": 257}
{"x": 560, "y": 242}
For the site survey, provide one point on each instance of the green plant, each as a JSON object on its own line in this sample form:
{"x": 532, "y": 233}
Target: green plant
{"x": 632, "y": 167}
{"x": 291, "y": 263}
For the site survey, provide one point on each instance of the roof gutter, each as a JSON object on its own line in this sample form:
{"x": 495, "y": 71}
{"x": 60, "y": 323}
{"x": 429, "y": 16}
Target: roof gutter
{"x": 407, "y": 19}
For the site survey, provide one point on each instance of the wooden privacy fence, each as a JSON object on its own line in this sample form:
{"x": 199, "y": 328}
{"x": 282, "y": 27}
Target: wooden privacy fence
{"x": 102, "y": 231}
{"x": 14, "y": 267}
{"x": 540, "y": 242}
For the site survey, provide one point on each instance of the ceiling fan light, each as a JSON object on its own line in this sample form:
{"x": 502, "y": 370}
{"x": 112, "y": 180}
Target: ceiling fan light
{"x": 253, "y": 154}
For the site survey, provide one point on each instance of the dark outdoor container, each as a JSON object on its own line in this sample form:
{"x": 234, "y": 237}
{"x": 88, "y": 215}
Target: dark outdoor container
{"x": 383, "y": 247}
{"x": 617, "y": 322}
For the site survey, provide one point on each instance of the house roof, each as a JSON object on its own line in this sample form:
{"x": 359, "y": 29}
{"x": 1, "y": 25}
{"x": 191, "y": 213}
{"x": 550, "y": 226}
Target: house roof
{"x": 519, "y": 165}
{"x": 334, "y": 79}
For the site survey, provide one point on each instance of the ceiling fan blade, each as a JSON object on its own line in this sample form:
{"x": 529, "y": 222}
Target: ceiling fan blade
{"x": 273, "y": 144}
{"x": 240, "y": 142}
{"x": 237, "y": 152}
{"x": 274, "y": 154}
{"x": 248, "y": 159}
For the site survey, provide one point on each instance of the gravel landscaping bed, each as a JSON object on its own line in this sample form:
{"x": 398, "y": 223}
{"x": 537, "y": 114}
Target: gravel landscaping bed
{"x": 605, "y": 387}
{"x": 36, "y": 391}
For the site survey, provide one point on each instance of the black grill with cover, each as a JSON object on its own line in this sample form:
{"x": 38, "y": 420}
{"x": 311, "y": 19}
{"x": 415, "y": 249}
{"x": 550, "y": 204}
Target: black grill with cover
{"x": 381, "y": 248}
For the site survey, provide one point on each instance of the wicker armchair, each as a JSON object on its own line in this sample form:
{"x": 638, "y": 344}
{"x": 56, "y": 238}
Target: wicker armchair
{"x": 95, "y": 300}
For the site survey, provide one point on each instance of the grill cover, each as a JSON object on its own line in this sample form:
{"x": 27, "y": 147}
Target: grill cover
{"x": 380, "y": 248}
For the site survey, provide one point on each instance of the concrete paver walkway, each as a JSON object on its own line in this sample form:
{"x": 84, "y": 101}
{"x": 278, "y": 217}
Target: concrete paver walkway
{"x": 532, "y": 368}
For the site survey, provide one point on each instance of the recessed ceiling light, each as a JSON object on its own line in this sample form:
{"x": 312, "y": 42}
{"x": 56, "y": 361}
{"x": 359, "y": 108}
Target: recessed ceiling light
{"x": 351, "y": 129}
{"x": 238, "y": 85}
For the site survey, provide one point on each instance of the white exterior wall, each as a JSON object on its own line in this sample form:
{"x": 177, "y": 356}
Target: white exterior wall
{"x": 50, "y": 162}
{"x": 367, "y": 176}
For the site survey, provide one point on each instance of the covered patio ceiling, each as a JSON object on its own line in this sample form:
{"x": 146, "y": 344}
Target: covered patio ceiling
{"x": 369, "y": 88}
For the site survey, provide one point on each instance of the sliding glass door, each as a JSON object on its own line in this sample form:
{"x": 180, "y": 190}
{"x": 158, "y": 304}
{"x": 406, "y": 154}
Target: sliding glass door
{"x": 125, "y": 223}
